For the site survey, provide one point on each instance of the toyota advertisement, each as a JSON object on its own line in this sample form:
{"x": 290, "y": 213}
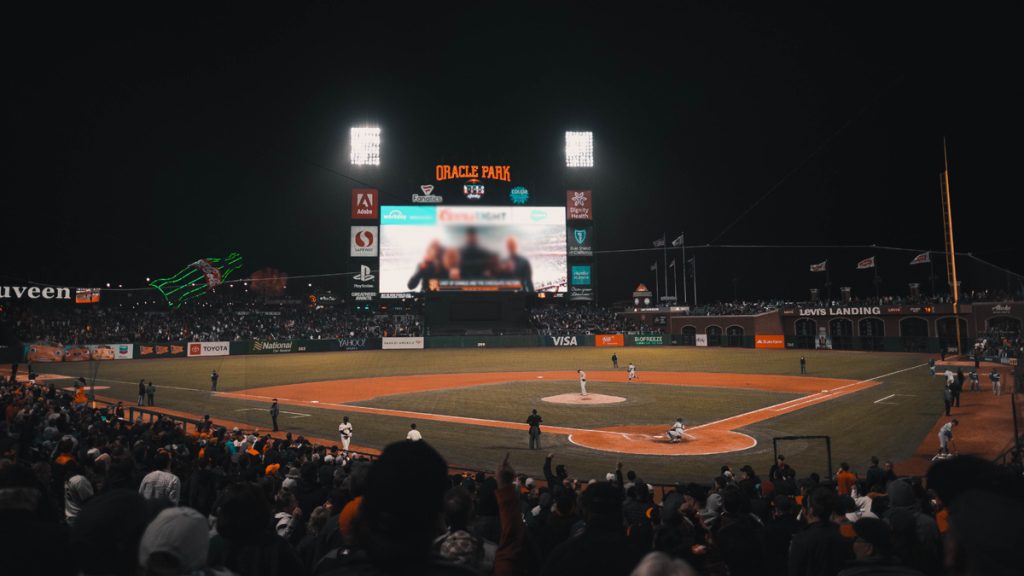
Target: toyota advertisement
{"x": 471, "y": 248}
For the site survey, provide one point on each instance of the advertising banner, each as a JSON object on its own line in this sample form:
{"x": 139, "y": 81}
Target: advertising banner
{"x": 580, "y": 240}
{"x": 359, "y": 343}
{"x": 271, "y": 346}
{"x": 85, "y": 353}
{"x": 209, "y": 348}
{"x": 564, "y": 341}
{"x": 364, "y": 204}
{"x": 770, "y": 341}
{"x": 122, "y": 351}
{"x": 702, "y": 339}
{"x": 77, "y": 353}
{"x": 44, "y": 352}
{"x": 580, "y": 282}
{"x": 364, "y": 241}
{"x": 609, "y": 340}
{"x": 364, "y": 284}
{"x": 160, "y": 350}
{"x": 402, "y": 343}
{"x": 472, "y": 248}
{"x": 646, "y": 340}
{"x": 579, "y": 205}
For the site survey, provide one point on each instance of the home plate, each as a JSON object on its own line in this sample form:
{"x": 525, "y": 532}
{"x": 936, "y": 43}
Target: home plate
{"x": 577, "y": 398}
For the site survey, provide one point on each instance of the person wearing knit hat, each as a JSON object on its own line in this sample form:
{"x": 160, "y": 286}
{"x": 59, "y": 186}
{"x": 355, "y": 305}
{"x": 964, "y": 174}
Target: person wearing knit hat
{"x": 175, "y": 542}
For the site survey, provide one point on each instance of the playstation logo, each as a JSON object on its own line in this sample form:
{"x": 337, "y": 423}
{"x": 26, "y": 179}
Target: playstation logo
{"x": 364, "y": 274}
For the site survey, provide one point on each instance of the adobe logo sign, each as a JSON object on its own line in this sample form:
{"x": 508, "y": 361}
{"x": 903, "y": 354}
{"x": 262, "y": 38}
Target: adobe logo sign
{"x": 364, "y": 203}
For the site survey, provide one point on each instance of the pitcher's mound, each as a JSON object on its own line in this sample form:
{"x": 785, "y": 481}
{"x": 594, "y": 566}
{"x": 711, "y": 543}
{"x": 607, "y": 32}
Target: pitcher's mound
{"x": 576, "y": 398}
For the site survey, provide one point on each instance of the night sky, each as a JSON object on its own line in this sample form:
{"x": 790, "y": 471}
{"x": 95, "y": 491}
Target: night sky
{"x": 141, "y": 141}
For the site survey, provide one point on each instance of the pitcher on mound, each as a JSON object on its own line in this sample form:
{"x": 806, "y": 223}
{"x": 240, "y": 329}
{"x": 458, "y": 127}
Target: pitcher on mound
{"x": 583, "y": 382}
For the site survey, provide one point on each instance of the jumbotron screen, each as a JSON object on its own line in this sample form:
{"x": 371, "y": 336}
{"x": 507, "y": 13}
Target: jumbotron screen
{"x": 472, "y": 248}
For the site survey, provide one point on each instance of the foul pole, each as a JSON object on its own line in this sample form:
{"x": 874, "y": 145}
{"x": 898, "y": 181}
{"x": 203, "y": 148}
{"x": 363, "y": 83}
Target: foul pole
{"x": 947, "y": 225}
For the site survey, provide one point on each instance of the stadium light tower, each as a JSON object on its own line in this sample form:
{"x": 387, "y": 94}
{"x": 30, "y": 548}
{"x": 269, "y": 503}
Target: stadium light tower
{"x": 579, "y": 149}
{"x": 365, "y": 146}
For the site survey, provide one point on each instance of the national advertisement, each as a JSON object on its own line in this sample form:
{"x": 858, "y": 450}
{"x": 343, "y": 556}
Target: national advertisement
{"x": 271, "y": 346}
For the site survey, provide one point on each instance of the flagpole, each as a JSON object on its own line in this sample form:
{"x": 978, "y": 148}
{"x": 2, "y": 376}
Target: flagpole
{"x": 931, "y": 273}
{"x": 876, "y": 280}
{"x": 675, "y": 281}
{"x": 657, "y": 281}
{"x": 683, "y": 241}
{"x": 664, "y": 253}
{"x": 695, "y": 281}
{"x": 828, "y": 282}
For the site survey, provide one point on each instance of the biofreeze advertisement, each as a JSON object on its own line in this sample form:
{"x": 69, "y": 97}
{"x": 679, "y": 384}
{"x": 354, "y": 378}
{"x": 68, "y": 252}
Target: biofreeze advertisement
{"x": 472, "y": 248}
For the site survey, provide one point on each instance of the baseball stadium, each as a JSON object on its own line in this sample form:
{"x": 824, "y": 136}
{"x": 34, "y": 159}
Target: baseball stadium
{"x": 511, "y": 350}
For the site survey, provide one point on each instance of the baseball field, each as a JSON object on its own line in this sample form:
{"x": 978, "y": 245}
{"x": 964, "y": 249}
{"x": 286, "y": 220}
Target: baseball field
{"x": 472, "y": 403}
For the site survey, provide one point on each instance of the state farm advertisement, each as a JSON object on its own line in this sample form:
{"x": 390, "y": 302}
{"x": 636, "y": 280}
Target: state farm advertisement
{"x": 208, "y": 349}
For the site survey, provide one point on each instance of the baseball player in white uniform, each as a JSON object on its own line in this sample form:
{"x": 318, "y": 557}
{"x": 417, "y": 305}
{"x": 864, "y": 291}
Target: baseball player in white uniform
{"x": 583, "y": 382}
{"x": 675, "y": 434}
{"x": 345, "y": 431}
{"x": 945, "y": 435}
{"x": 631, "y": 370}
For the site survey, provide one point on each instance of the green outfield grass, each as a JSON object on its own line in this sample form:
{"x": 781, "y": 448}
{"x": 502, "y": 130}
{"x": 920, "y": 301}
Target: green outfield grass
{"x": 859, "y": 426}
{"x": 645, "y": 403}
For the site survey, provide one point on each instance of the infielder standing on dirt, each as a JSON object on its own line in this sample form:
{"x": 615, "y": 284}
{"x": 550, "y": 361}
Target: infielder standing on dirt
{"x": 345, "y": 431}
{"x": 631, "y": 370}
{"x": 583, "y": 382}
{"x": 945, "y": 435}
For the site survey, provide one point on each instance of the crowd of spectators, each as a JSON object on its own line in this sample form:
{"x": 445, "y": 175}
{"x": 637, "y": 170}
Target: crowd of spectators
{"x": 999, "y": 345}
{"x": 84, "y": 491}
{"x": 564, "y": 319}
{"x": 222, "y": 320}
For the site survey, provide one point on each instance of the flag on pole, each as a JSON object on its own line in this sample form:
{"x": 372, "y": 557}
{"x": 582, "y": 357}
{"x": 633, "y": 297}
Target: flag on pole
{"x": 672, "y": 264}
{"x": 654, "y": 267}
{"x": 678, "y": 241}
{"x": 820, "y": 266}
{"x": 866, "y": 263}
{"x": 922, "y": 258}
{"x": 660, "y": 242}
